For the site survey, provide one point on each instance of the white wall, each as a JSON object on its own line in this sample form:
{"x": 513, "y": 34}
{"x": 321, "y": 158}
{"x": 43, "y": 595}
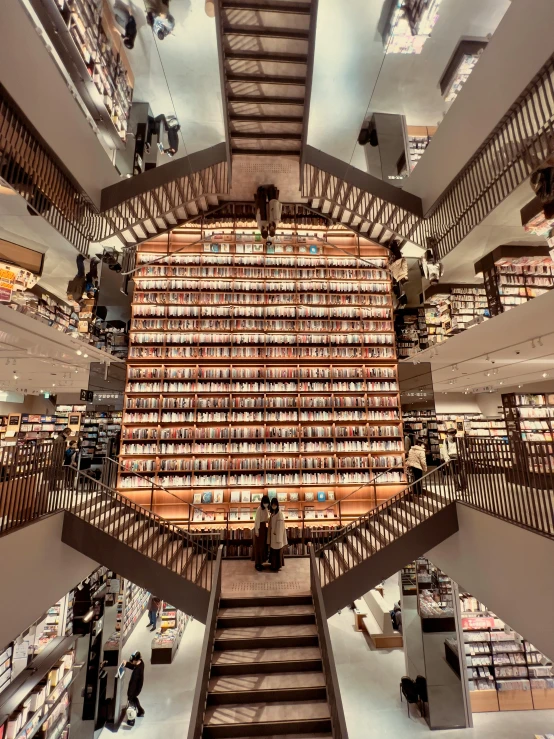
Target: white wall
{"x": 31, "y": 404}
{"x": 507, "y": 568}
{"x": 38, "y": 570}
{"x": 489, "y": 404}
{"x": 520, "y": 46}
{"x": 455, "y": 403}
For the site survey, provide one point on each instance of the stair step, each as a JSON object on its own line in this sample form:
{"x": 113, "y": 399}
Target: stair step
{"x": 232, "y": 621}
{"x": 268, "y": 695}
{"x": 316, "y": 735}
{"x": 265, "y": 681}
{"x": 263, "y": 719}
{"x": 395, "y": 527}
{"x": 269, "y": 611}
{"x": 262, "y": 637}
{"x": 265, "y": 601}
{"x": 282, "y": 659}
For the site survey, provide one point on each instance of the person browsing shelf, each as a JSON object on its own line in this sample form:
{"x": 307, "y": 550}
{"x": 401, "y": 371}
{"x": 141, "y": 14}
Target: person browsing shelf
{"x": 277, "y": 537}
{"x": 70, "y": 455}
{"x": 418, "y": 464}
{"x": 261, "y": 533}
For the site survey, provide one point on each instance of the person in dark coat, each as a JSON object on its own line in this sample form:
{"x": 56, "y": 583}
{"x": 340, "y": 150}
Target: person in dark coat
{"x": 136, "y": 682}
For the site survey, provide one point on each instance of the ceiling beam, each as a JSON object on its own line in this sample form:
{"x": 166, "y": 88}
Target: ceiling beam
{"x": 267, "y": 32}
{"x": 264, "y": 135}
{"x": 260, "y": 100}
{"x": 261, "y": 79}
{"x": 237, "y": 118}
{"x": 267, "y": 7}
{"x": 264, "y": 56}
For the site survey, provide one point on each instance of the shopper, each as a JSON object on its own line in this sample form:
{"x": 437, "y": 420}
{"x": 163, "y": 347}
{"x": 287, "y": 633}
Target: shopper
{"x": 396, "y": 617}
{"x": 154, "y": 604}
{"x": 417, "y": 462}
{"x": 64, "y": 434}
{"x": 135, "y": 684}
{"x": 76, "y": 286}
{"x": 70, "y": 455}
{"x": 159, "y": 18}
{"x": 172, "y": 128}
{"x": 127, "y": 23}
{"x": 399, "y": 264}
{"x": 277, "y": 537}
{"x": 449, "y": 454}
{"x": 261, "y": 533}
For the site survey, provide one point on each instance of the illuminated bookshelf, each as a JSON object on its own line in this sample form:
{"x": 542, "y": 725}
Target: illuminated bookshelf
{"x": 252, "y": 371}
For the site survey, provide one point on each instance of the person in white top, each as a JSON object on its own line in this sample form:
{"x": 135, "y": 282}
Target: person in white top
{"x": 418, "y": 462}
{"x": 277, "y": 537}
{"x": 259, "y": 544}
{"x": 449, "y": 454}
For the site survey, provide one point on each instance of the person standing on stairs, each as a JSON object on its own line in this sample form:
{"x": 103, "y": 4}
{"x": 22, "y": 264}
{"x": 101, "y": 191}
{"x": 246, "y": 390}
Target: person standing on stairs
{"x": 418, "y": 463}
{"x": 449, "y": 454}
{"x": 135, "y": 684}
{"x": 277, "y": 537}
{"x": 259, "y": 545}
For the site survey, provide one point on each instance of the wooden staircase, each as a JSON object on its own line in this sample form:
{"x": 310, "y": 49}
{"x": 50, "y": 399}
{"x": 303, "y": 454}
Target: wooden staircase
{"x": 266, "y": 674}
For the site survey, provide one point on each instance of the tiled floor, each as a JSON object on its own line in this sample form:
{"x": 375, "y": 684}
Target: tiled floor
{"x": 240, "y": 579}
{"x": 369, "y": 682}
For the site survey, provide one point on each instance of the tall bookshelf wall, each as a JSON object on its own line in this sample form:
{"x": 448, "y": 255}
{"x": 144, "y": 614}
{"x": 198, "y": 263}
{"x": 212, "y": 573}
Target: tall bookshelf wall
{"x": 260, "y": 369}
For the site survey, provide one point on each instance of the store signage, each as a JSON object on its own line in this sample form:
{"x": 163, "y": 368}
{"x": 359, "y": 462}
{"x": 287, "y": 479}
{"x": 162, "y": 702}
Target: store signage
{"x": 478, "y": 622}
{"x": 87, "y": 396}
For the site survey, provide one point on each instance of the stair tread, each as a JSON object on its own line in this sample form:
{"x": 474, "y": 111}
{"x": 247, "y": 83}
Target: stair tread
{"x": 266, "y": 632}
{"x": 278, "y": 654}
{"x": 293, "y": 736}
{"x": 265, "y": 681}
{"x": 249, "y": 713}
{"x": 245, "y": 611}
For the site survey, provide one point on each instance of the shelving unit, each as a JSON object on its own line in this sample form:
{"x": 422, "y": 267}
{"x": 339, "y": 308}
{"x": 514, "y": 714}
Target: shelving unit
{"x": 515, "y": 274}
{"x": 460, "y": 66}
{"x": 256, "y": 370}
{"x": 505, "y": 672}
{"x": 410, "y": 25}
{"x": 423, "y": 423}
{"x": 85, "y": 35}
{"x": 419, "y": 138}
{"x": 38, "y": 701}
{"x": 36, "y": 426}
{"x": 451, "y": 309}
{"x": 97, "y": 427}
{"x": 529, "y": 417}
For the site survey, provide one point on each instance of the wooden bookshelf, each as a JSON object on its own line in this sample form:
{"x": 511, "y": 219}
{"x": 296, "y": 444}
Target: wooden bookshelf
{"x": 252, "y": 370}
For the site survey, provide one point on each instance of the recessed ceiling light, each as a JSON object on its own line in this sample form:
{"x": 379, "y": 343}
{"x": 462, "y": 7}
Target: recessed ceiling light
{"x": 53, "y": 384}
{"x": 501, "y": 382}
{"x": 85, "y": 355}
{"x": 545, "y": 374}
{"x": 15, "y": 377}
{"x": 79, "y": 352}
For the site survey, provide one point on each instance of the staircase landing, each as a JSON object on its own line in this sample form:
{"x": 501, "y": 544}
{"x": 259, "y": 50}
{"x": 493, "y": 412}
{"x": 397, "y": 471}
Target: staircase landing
{"x": 239, "y": 579}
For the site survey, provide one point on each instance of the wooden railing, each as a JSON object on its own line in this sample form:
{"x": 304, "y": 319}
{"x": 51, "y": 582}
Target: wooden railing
{"x": 338, "y": 722}
{"x": 439, "y": 488}
{"x": 202, "y": 681}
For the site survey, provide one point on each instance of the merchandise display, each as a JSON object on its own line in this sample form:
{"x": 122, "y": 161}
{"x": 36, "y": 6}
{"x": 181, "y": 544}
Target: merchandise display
{"x": 423, "y": 424}
{"x": 515, "y": 274}
{"x": 410, "y": 25}
{"x": 505, "y": 671}
{"x": 168, "y": 637}
{"x": 131, "y": 604}
{"x": 261, "y": 367}
{"x": 529, "y": 417}
{"x": 419, "y": 138}
{"x": 450, "y": 309}
{"x": 97, "y": 427}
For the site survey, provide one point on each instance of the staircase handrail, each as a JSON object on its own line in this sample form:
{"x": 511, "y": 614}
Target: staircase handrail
{"x": 84, "y": 481}
{"x": 155, "y": 484}
{"x": 404, "y": 493}
{"x": 357, "y": 490}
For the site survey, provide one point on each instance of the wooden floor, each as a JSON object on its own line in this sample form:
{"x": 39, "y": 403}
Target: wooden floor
{"x": 240, "y": 579}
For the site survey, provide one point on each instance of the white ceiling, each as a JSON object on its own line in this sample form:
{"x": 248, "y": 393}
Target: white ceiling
{"x": 498, "y": 353}
{"x": 43, "y": 358}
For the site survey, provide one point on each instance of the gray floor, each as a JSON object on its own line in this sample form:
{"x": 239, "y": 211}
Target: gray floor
{"x": 168, "y": 689}
{"x": 369, "y": 682}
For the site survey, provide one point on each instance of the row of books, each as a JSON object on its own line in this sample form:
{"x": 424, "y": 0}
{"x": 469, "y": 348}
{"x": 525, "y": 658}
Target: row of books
{"x": 266, "y": 352}
{"x": 269, "y": 373}
{"x": 267, "y": 312}
{"x": 261, "y": 447}
{"x": 269, "y": 478}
